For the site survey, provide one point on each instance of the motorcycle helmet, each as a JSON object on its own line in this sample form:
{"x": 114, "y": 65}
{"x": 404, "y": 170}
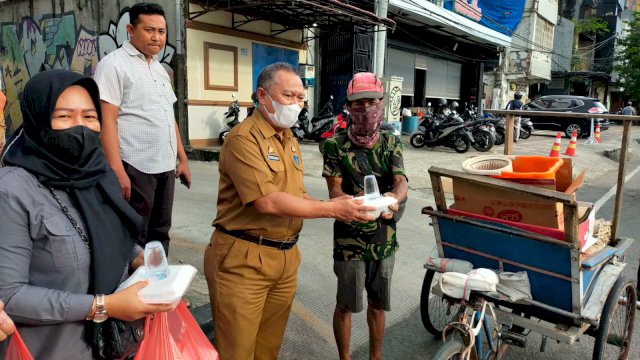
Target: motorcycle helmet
{"x": 364, "y": 85}
{"x": 453, "y": 105}
{"x": 517, "y": 95}
{"x": 442, "y": 102}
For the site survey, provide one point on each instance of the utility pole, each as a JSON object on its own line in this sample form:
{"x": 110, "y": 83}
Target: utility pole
{"x": 380, "y": 39}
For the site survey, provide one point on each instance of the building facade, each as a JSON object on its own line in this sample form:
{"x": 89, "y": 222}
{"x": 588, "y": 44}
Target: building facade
{"x": 443, "y": 49}
{"x": 583, "y": 61}
{"x": 525, "y": 65}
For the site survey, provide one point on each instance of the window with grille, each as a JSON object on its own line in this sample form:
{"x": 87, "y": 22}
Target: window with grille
{"x": 544, "y": 34}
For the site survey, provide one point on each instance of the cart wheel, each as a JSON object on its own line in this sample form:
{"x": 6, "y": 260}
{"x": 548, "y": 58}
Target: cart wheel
{"x": 435, "y": 311}
{"x": 452, "y": 349}
{"x": 613, "y": 337}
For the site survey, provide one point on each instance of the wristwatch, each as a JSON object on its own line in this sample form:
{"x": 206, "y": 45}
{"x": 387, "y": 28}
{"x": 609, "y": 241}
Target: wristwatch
{"x": 101, "y": 310}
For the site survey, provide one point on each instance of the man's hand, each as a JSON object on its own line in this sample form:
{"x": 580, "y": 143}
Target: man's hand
{"x": 348, "y": 209}
{"x": 125, "y": 185}
{"x": 393, "y": 207}
{"x": 183, "y": 169}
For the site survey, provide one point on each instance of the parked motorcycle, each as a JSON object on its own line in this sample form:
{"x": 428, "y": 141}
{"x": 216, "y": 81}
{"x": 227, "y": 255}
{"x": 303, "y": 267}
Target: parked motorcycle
{"x": 526, "y": 128}
{"x": 483, "y": 130}
{"x": 254, "y": 103}
{"x": 230, "y": 118}
{"x": 483, "y": 134}
{"x": 450, "y": 132}
{"x": 312, "y": 130}
{"x": 341, "y": 123}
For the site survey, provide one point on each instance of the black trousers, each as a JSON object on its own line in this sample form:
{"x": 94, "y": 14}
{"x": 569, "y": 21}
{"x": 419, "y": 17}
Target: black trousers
{"x": 152, "y": 197}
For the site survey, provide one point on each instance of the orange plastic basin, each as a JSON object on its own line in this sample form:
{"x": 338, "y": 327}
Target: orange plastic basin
{"x": 533, "y": 170}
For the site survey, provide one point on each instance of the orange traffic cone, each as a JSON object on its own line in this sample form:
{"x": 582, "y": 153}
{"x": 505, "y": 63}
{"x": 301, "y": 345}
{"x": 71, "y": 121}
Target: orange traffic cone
{"x": 571, "y": 149}
{"x": 555, "y": 149}
{"x": 597, "y": 135}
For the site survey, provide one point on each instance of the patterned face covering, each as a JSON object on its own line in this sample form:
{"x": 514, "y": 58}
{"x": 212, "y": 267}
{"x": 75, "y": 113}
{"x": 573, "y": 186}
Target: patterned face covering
{"x": 365, "y": 125}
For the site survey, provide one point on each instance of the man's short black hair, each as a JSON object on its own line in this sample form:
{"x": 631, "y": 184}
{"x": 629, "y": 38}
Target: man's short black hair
{"x": 144, "y": 9}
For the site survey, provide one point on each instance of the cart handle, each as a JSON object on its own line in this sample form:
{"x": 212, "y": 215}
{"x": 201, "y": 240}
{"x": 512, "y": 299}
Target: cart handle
{"x": 622, "y": 246}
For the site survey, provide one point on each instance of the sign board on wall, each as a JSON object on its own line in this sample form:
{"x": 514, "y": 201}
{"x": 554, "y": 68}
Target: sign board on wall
{"x": 307, "y": 74}
{"x": 392, "y": 97}
{"x": 500, "y": 15}
{"x": 470, "y": 10}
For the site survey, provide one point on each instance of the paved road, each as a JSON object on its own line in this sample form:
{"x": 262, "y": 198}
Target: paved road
{"x": 309, "y": 334}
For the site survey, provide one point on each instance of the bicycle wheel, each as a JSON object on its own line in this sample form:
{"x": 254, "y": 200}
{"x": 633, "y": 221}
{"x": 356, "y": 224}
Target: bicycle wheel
{"x": 435, "y": 311}
{"x": 451, "y": 350}
{"x": 613, "y": 338}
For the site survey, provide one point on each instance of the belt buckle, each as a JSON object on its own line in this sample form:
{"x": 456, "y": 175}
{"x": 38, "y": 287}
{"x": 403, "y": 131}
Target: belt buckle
{"x": 281, "y": 245}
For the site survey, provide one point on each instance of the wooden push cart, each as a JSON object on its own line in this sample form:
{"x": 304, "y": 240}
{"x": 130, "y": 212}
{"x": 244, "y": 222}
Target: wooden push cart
{"x": 572, "y": 295}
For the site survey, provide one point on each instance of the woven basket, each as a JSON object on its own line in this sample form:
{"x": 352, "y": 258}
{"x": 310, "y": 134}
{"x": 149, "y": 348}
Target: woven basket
{"x": 487, "y": 165}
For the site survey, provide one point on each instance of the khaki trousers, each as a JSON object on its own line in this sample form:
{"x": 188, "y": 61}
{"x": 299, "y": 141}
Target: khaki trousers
{"x": 251, "y": 288}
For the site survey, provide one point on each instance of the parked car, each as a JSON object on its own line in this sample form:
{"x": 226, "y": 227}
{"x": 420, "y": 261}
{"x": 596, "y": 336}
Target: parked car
{"x": 567, "y": 103}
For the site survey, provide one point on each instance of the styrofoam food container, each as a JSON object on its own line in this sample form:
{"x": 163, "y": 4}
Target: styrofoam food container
{"x": 382, "y": 204}
{"x": 166, "y": 291}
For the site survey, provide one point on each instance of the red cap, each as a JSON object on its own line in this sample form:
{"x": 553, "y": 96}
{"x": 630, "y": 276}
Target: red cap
{"x": 364, "y": 85}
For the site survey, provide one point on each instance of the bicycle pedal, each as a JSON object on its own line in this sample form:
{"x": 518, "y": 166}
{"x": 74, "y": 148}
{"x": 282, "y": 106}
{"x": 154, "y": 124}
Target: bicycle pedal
{"x": 514, "y": 339}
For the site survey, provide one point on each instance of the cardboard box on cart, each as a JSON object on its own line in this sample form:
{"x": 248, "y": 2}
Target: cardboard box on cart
{"x": 511, "y": 205}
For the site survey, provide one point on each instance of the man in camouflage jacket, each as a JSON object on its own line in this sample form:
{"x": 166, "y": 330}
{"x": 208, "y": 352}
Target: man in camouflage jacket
{"x": 364, "y": 253}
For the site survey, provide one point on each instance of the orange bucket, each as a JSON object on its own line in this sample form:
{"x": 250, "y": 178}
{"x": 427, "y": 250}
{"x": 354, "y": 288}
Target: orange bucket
{"x": 533, "y": 170}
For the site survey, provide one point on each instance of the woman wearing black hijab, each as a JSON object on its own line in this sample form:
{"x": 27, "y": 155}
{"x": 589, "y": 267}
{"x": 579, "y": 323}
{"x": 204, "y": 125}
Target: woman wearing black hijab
{"x": 66, "y": 235}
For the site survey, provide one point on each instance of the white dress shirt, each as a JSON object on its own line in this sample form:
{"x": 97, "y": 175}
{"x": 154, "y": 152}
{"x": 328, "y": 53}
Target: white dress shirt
{"x": 146, "y": 123}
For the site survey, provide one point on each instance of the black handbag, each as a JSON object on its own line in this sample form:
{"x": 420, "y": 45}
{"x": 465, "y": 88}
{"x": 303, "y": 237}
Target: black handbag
{"x": 111, "y": 339}
{"x": 116, "y": 339}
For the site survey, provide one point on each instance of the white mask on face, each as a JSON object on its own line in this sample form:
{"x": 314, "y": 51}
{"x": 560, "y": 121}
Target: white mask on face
{"x": 285, "y": 116}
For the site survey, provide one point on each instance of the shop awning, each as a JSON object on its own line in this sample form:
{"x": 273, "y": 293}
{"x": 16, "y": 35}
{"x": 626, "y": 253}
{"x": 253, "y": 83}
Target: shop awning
{"x": 296, "y": 14}
{"x": 435, "y": 16}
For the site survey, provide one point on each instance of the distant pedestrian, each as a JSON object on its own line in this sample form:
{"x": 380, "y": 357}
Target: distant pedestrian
{"x": 629, "y": 109}
{"x": 516, "y": 104}
{"x": 140, "y": 136}
{"x": 364, "y": 254}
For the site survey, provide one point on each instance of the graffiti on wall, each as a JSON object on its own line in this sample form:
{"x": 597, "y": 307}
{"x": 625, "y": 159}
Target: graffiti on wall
{"x": 56, "y": 41}
{"x": 117, "y": 34}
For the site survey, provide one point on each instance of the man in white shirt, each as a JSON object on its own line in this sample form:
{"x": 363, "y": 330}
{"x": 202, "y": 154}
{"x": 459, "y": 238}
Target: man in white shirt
{"x": 139, "y": 133}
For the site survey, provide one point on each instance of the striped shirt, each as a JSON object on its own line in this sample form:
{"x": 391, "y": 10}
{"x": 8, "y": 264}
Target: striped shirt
{"x": 142, "y": 91}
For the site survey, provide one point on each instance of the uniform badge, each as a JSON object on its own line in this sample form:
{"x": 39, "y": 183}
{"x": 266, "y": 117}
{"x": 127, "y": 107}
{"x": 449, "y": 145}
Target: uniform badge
{"x": 296, "y": 159}
{"x": 271, "y": 154}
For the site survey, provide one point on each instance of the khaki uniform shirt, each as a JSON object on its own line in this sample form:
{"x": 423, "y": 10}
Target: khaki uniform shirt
{"x": 255, "y": 162}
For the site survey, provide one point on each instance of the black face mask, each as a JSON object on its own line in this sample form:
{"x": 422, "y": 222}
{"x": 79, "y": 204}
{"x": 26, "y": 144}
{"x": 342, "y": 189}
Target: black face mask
{"x": 73, "y": 145}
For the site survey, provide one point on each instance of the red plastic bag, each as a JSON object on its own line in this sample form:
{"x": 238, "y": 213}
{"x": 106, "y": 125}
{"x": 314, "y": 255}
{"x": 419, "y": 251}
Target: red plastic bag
{"x": 175, "y": 336}
{"x": 17, "y": 350}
